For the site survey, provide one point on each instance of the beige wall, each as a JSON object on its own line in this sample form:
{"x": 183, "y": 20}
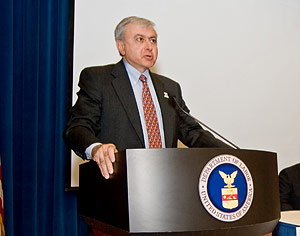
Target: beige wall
{"x": 237, "y": 61}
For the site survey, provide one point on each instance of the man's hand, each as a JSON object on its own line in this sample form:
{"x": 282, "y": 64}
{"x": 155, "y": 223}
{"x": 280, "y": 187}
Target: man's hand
{"x": 104, "y": 155}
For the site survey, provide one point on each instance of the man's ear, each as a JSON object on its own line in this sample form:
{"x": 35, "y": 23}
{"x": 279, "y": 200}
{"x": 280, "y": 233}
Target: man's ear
{"x": 120, "y": 47}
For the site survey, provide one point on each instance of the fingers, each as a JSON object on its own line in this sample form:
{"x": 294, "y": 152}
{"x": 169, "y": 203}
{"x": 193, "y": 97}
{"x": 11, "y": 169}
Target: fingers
{"x": 104, "y": 155}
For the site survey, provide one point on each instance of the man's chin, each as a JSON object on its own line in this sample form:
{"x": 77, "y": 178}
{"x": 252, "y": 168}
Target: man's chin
{"x": 149, "y": 64}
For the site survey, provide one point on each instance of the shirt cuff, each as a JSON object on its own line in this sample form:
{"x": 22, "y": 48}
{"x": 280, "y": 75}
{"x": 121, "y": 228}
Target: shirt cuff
{"x": 88, "y": 151}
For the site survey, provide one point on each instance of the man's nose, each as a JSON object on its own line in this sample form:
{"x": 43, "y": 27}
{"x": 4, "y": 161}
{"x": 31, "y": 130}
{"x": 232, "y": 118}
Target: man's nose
{"x": 149, "y": 45}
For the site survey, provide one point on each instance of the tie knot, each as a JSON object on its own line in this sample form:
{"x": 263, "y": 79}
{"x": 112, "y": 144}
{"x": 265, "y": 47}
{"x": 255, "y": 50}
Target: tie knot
{"x": 143, "y": 79}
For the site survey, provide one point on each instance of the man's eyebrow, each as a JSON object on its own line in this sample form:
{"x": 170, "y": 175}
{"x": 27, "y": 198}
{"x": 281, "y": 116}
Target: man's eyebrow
{"x": 141, "y": 35}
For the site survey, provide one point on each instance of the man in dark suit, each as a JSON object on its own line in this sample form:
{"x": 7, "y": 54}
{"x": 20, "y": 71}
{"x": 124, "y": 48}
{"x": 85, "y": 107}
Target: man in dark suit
{"x": 111, "y": 111}
{"x": 289, "y": 185}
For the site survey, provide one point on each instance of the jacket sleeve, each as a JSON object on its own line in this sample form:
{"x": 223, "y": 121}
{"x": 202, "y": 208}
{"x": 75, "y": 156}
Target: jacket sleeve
{"x": 83, "y": 125}
{"x": 285, "y": 188}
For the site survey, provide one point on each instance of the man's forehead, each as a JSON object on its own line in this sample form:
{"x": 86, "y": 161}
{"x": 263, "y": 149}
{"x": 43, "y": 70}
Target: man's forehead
{"x": 141, "y": 30}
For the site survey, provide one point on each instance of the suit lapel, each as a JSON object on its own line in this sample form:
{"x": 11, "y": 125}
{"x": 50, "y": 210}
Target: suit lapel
{"x": 164, "y": 103}
{"x": 124, "y": 90}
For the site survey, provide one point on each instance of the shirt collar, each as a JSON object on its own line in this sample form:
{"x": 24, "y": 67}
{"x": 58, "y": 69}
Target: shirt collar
{"x": 134, "y": 74}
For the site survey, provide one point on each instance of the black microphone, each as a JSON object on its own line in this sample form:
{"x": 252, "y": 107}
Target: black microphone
{"x": 201, "y": 123}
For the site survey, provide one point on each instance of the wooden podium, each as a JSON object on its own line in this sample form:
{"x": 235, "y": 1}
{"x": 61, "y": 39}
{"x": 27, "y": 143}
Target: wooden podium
{"x": 156, "y": 192}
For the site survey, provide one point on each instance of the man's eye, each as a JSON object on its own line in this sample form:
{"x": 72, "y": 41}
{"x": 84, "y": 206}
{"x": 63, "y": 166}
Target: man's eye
{"x": 140, "y": 39}
{"x": 153, "y": 40}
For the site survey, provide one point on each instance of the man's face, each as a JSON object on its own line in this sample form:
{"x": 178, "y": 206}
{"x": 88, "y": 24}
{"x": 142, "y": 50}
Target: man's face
{"x": 139, "y": 47}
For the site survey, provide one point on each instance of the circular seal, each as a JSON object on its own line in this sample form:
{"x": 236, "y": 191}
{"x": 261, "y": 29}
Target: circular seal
{"x": 226, "y": 188}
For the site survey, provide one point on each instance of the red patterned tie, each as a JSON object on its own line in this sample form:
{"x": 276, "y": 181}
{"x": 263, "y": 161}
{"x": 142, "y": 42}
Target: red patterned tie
{"x": 154, "y": 137}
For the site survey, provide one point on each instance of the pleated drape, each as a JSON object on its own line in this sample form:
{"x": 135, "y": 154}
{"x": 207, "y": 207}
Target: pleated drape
{"x": 34, "y": 88}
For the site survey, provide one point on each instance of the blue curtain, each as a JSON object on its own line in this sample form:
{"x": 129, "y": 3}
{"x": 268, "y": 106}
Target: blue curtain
{"x": 34, "y": 99}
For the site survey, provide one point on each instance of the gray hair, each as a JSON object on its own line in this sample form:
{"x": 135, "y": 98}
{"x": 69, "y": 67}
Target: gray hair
{"x": 120, "y": 29}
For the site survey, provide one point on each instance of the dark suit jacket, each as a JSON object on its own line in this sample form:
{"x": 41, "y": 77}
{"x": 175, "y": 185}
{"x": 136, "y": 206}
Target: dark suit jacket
{"x": 106, "y": 112}
{"x": 289, "y": 185}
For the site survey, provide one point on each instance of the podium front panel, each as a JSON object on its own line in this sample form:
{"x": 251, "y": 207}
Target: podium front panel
{"x": 157, "y": 191}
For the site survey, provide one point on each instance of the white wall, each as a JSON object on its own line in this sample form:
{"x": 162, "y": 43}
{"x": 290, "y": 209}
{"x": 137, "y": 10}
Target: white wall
{"x": 238, "y": 62}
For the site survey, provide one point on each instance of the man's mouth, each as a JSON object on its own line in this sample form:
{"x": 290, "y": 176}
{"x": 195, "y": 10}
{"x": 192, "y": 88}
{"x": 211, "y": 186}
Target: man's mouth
{"x": 149, "y": 56}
